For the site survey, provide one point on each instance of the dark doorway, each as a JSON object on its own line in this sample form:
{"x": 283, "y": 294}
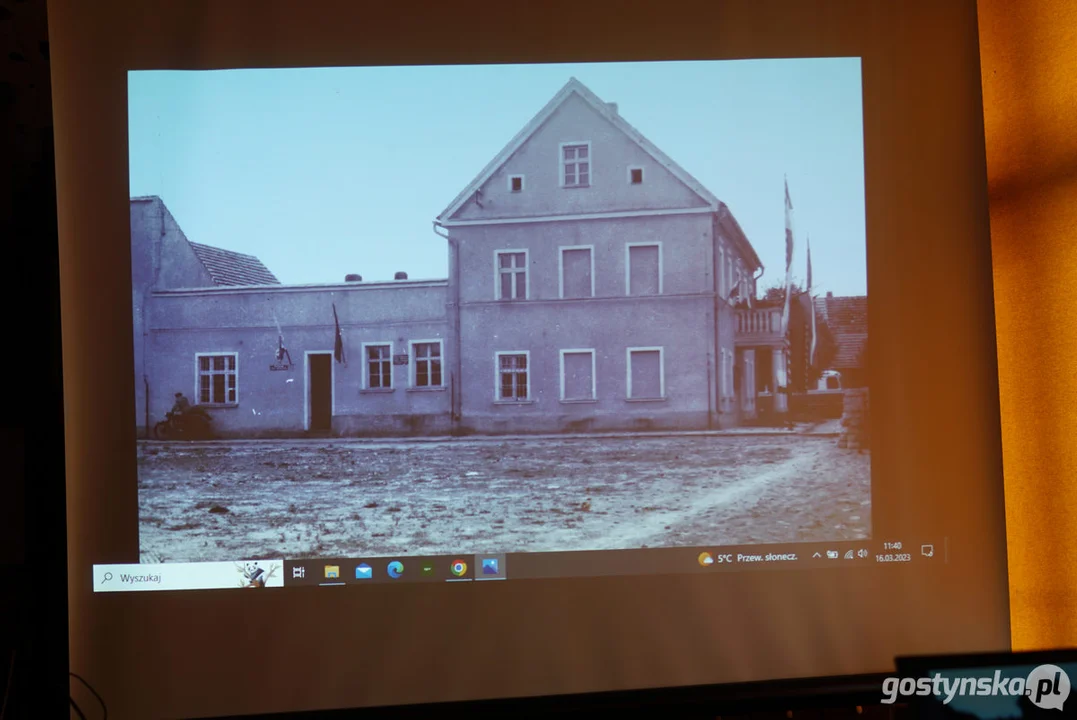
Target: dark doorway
{"x": 764, "y": 369}
{"x": 320, "y": 396}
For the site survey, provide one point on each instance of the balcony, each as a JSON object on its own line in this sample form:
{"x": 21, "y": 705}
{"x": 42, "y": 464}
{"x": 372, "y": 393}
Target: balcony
{"x": 759, "y": 326}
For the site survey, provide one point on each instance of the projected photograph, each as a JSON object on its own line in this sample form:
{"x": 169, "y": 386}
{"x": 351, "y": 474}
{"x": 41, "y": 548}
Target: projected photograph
{"x": 514, "y": 308}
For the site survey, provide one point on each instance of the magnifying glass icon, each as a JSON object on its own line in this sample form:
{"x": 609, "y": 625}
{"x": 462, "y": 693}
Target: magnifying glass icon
{"x": 108, "y": 576}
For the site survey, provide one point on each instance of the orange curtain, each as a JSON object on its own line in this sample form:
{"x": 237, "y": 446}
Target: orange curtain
{"x": 1028, "y": 53}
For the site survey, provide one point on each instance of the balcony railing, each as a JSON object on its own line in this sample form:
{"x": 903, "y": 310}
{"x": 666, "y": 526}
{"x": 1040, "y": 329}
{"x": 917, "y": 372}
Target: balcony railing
{"x": 759, "y": 325}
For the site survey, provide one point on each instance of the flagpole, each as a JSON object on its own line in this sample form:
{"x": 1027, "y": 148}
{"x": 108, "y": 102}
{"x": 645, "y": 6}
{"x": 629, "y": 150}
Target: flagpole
{"x": 788, "y": 259}
{"x": 811, "y": 300}
{"x": 782, "y": 374}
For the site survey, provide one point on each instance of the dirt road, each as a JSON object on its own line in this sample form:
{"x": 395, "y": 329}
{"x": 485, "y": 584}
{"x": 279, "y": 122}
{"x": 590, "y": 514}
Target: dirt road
{"x": 338, "y": 498}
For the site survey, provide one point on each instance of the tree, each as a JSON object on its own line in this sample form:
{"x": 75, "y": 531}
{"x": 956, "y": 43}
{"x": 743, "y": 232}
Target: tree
{"x": 774, "y": 296}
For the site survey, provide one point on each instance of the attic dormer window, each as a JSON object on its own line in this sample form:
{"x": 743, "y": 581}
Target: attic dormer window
{"x": 575, "y": 164}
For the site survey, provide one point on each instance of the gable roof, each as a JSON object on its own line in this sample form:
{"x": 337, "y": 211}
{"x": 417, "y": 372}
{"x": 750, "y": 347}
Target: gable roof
{"x": 575, "y": 87}
{"x": 847, "y": 318}
{"x": 229, "y": 268}
{"x": 226, "y": 268}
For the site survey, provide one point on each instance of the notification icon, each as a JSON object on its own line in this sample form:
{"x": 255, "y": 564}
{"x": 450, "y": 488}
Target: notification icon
{"x": 458, "y": 567}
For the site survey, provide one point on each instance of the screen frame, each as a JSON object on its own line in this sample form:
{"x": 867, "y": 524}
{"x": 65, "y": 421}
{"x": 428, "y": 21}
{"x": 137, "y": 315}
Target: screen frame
{"x": 916, "y": 55}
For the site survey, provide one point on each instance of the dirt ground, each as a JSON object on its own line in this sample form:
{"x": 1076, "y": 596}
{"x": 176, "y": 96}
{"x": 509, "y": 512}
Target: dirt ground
{"x": 339, "y": 498}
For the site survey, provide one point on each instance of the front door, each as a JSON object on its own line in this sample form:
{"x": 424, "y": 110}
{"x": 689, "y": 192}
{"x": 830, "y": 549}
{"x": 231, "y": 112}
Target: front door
{"x": 320, "y": 397}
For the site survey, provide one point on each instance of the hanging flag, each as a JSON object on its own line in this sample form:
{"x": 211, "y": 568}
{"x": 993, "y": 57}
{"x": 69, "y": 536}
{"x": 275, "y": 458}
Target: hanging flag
{"x": 788, "y": 259}
{"x": 282, "y": 352}
{"x": 338, "y": 346}
{"x": 811, "y": 309}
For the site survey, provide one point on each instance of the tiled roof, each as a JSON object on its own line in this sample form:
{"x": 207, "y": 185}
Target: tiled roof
{"x": 847, "y": 318}
{"x": 228, "y": 268}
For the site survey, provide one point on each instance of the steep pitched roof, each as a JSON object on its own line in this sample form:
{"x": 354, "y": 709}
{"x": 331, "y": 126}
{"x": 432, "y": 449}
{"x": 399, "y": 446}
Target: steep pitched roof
{"x": 575, "y": 87}
{"x": 228, "y": 268}
{"x": 847, "y": 318}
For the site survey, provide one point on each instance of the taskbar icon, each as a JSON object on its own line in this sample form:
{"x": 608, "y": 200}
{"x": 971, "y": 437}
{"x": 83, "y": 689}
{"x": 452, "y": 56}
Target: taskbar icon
{"x": 490, "y": 566}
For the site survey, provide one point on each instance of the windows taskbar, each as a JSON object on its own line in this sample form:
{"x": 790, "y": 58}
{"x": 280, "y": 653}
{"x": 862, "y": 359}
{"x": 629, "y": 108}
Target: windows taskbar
{"x": 472, "y": 568}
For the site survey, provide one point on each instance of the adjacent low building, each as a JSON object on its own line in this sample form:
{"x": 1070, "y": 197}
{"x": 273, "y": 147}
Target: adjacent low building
{"x": 846, "y": 321}
{"x": 590, "y": 285}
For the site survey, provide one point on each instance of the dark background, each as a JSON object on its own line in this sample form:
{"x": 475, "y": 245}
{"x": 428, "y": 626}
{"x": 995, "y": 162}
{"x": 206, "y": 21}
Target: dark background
{"x": 33, "y": 586}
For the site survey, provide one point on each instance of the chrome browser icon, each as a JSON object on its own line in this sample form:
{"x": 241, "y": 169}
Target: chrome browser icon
{"x": 458, "y": 568}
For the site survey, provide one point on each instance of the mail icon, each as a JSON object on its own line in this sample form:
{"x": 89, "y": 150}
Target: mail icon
{"x": 332, "y": 571}
{"x": 363, "y": 572}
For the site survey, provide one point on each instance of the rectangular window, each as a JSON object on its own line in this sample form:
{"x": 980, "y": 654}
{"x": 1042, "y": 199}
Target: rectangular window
{"x": 511, "y": 274}
{"x": 516, "y": 183}
{"x": 646, "y": 374}
{"x": 635, "y": 176}
{"x": 643, "y": 271}
{"x": 577, "y": 272}
{"x": 578, "y": 375}
{"x": 723, "y": 376}
{"x": 576, "y": 164}
{"x": 426, "y": 364}
{"x": 218, "y": 378}
{"x": 513, "y": 378}
{"x": 721, "y": 271}
{"x": 729, "y": 373}
{"x": 379, "y": 366}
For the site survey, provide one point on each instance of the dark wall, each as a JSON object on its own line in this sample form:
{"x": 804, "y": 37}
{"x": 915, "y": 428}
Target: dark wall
{"x": 33, "y": 587}
{"x": 816, "y": 406}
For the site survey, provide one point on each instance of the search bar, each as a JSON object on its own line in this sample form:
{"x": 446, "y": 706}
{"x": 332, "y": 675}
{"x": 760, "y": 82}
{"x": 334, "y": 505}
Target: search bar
{"x": 140, "y": 577}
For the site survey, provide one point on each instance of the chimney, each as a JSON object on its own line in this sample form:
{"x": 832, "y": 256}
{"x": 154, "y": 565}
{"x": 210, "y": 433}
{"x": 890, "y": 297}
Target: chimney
{"x": 401, "y": 276}
{"x": 612, "y": 107}
{"x": 829, "y": 295}
{"x": 353, "y": 277}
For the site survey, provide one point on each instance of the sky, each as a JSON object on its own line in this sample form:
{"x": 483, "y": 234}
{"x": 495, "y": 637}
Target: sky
{"x": 326, "y": 171}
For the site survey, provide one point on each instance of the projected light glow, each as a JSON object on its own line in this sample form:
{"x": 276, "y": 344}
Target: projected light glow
{"x": 642, "y": 325}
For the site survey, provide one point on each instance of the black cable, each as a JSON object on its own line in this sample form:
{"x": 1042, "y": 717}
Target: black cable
{"x": 7, "y": 687}
{"x": 104, "y": 708}
{"x": 77, "y": 708}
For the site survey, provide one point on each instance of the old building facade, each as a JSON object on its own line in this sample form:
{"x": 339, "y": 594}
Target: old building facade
{"x": 591, "y": 286}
